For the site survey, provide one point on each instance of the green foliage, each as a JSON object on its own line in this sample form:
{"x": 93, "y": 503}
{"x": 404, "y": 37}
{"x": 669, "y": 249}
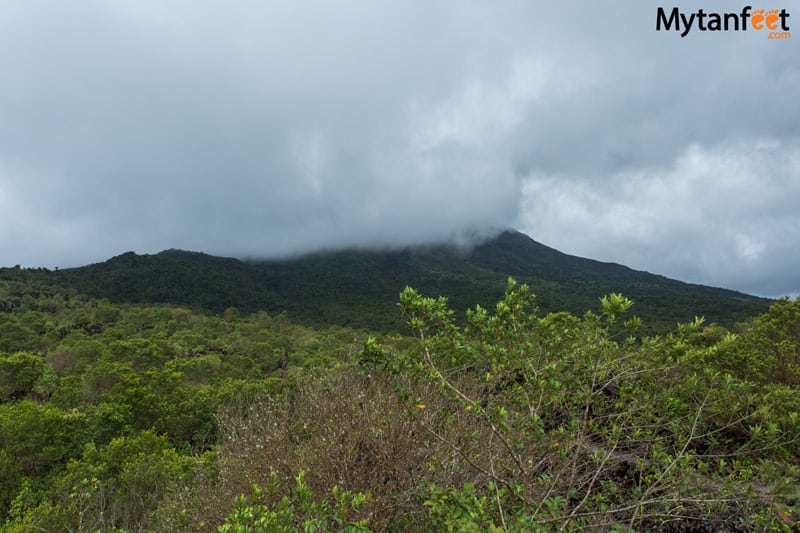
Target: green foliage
{"x": 35, "y": 437}
{"x": 562, "y": 423}
{"x": 115, "y": 487}
{"x": 155, "y": 418}
{"x": 297, "y": 511}
{"x": 460, "y": 510}
{"x": 768, "y": 350}
{"x": 86, "y": 379}
{"x": 21, "y": 373}
{"x": 14, "y": 336}
{"x": 35, "y": 440}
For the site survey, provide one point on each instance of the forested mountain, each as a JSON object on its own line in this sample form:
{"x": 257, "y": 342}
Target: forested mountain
{"x": 358, "y": 288}
{"x": 136, "y": 395}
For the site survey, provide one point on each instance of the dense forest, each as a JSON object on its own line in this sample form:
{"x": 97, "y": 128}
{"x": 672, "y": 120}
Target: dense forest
{"x": 141, "y": 417}
{"x": 358, "y": 288}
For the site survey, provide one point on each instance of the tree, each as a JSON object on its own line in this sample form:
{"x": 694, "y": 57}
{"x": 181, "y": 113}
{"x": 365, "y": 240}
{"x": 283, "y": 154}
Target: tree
{"x": 768, "y": 350}
{"x": 35, "y": 440}
{"x": 113, "y": 488}
{"x": 19, "y": 373}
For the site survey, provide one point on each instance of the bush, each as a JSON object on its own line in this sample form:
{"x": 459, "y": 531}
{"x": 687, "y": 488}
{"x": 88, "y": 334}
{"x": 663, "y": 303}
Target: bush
{"x": 576, "y": 423}
{"x": 297, "y": 510}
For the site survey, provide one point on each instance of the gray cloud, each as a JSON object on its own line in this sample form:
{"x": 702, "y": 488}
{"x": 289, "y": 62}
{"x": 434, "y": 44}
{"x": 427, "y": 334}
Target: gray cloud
{"x": 268, "y": 128}
{"x": 724, "y": 216}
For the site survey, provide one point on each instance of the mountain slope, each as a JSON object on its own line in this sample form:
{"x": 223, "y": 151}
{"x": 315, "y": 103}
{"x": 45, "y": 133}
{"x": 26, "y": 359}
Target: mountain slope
{"x": 360, "y": 288}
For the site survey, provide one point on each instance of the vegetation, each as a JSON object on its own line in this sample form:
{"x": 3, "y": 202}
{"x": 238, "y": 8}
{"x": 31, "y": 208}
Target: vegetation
{"x": 358, "y": 288}
{"x": 120, "y": 417}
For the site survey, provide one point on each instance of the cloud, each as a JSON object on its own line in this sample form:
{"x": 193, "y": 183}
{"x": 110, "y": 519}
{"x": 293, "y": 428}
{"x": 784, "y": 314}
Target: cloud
{"x": 270, "y": 128}
{"x": 724, "y": 216}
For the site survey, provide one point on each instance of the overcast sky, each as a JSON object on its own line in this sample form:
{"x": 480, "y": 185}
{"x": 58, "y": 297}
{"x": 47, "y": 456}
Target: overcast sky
{"x": 267, "y": 127}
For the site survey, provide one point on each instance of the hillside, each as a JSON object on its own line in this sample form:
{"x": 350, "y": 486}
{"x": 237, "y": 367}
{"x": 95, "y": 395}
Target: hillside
{"x": 358, "y": 288}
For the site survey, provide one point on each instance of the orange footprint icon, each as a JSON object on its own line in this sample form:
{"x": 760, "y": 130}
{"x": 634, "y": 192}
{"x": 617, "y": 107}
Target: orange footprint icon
{"x": 757, "y": 19}
{"x": 772, "y": 19}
